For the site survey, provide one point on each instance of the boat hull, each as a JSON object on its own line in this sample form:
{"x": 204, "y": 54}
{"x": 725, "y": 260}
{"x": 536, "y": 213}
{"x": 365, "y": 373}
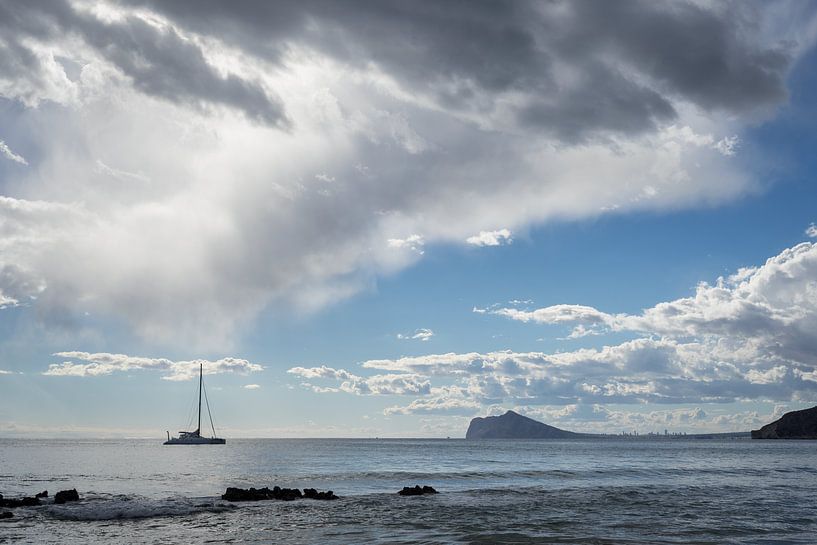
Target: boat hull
{"x": 195, "y": 441}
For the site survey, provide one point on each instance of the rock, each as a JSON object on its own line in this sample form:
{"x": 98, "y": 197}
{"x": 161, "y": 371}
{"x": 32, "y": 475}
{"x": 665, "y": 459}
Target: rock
{"x": 276, "y": 493}
{"x": 6, "y": 515}
{"x": 66, "y": 495}
{"x": 251, "y": 494}
{"x": 417, "y": 490}
{"x": 313, "y": 494}
{"x": 792, "y": 425}
{"x": 512, "y": 425}
{"x": 21, "y": 502}
{"x": 286, "y": 494}
{"x": 43, "y": 494}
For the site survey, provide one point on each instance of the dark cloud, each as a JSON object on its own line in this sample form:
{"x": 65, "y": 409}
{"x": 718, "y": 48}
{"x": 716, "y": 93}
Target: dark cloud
{"x": 164, "y": 64}
{"x": 604, "y": 101}
{"x": 573, "y": 70}
{"x": 578, "y": 68}
{"x": 159, "y": 61}
{"x": 711, "y": 57}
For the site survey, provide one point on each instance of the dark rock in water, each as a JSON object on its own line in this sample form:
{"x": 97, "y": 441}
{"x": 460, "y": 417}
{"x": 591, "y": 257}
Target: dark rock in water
{"x": 313, "y": 494}
{"x": 276, "y": 493}
{"x": 66, "y": 495}
{"x": 250, "y": 494}
{"x": 416, "y": 490}
{"x": 512, "y": 425}
{"x": 792, "y": 425}
{"x": 286, "y": 494}
{"x": 6, "y": 515}
{"x": 43, "y": 494}
{"x": 21, "y": 502}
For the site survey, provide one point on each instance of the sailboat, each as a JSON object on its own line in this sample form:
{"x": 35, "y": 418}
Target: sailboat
{"x": 195, "y": 437}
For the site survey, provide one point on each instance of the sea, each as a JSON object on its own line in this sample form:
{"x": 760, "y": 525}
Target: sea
{"x": 581, "y": 491}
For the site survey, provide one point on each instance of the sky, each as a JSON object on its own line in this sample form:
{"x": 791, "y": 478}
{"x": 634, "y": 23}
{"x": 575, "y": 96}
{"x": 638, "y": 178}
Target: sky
{"x": 382, "y": 219}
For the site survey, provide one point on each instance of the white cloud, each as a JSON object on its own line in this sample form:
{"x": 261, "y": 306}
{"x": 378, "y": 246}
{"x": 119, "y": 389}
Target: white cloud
{"x": 728, "y": 145}
{"x": 251, "y": 386}
{"x": 388, "y": 384}
{"x": 414, "y": 243}
{"x": 8, "y": 154}
{"x": 490, "y": 238}
{"x": 6, "y": 301}
{"x": 811, "y": 231}
{"x": 121, "y": 175}
{"x": 552, "y": 315}
{"x": 422, "y": 334}
{"x": 105, "y": 364}
{"x": 321, "y": 372}
{"x": 599, "y": 419}
{"x": 4, "y": 372}
{"x": 435, "y": 405}
{"x": 769, "y": 304}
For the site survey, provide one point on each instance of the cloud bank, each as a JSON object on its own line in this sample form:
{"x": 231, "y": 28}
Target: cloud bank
{"x": 749, "y": 336}
{"x": 105, "y": 364}
{"x": 288, "y": 153}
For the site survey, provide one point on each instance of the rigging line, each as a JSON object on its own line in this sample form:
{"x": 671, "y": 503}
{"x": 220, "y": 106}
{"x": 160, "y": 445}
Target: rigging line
{"x": 207, "y": 402}
{"x": 190, "y": 412}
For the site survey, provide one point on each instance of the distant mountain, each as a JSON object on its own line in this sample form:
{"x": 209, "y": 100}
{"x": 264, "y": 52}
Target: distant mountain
{"x": 512, "y": 425}
{"x": 793, "y": 425}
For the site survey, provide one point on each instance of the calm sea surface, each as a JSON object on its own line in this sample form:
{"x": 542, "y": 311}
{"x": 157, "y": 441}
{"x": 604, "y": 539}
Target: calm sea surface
{"x": 578, "y": 491}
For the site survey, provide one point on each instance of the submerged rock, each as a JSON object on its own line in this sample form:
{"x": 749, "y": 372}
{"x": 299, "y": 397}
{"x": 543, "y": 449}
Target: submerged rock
{"x": 792, "y": 425}
{"x": 6, "y": 515}
{"x": 66, "y": 495}
{"x": 417, "y": 491}
{"x": 43, "y": 494}
{"x": 276, "y": 493}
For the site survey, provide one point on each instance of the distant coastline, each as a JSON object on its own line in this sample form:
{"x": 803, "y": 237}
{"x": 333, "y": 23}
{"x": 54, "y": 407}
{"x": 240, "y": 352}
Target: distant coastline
{"x": 512, "y": 425}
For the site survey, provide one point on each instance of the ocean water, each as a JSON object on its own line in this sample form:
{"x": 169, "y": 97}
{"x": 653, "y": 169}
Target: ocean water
{"x": 593, "y": 491}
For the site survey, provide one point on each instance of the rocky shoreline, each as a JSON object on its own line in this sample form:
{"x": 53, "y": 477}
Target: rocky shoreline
{"x": 232, "y": 495}
{"x": 275, "y": 493}
{"x": 60, "y": 497}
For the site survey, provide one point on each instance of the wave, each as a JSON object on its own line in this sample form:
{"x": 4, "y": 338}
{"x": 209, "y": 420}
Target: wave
{"x": 556, "y": 474}
{"x": 107, "y": 507}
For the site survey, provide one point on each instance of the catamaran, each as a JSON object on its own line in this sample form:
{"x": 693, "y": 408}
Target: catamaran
{"x": 195, "y": 437}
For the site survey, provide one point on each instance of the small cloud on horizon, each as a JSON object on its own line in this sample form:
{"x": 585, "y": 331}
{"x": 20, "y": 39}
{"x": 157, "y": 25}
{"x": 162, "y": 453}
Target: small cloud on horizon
{"x": 422, "y": 334}
{"x": 252, "y": 386}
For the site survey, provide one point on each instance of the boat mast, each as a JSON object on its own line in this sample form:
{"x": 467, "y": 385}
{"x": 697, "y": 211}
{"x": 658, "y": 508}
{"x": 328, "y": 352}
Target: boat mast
{"x": 201, "y": 372}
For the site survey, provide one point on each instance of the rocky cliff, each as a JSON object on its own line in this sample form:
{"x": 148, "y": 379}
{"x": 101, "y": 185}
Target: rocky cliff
{"x": 512, "y": 425}
{"x": 793, "y": 425}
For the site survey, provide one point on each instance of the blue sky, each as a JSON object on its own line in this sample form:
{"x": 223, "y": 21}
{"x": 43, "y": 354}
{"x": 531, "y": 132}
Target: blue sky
{"x": 452, "y": 214}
